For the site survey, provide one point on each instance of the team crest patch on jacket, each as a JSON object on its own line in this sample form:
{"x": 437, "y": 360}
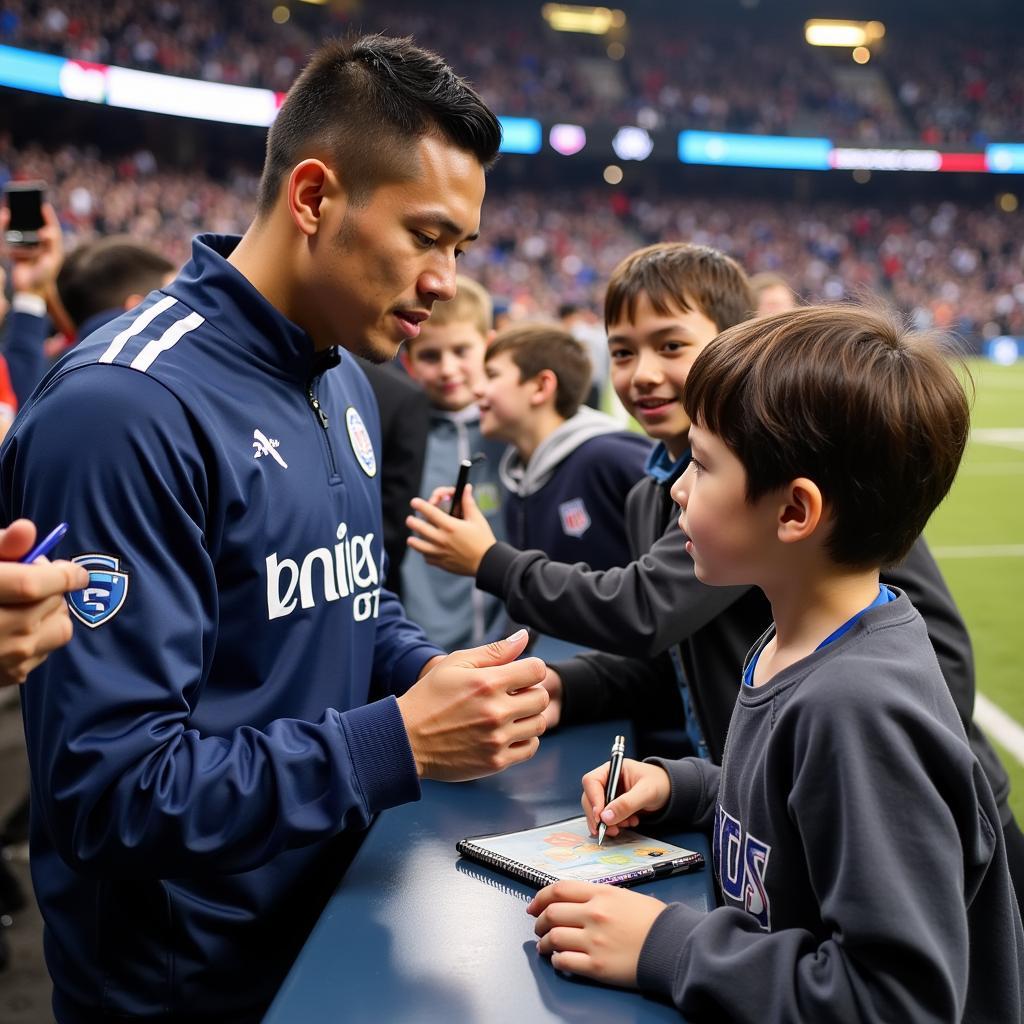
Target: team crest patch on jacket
{"x": 575, "y": 517}
{"x": 104, "y": 597}
{"x": 359, "y": 438}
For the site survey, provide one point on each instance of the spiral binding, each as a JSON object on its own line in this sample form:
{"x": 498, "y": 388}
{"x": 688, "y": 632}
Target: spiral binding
{"x": 506, "y": 865}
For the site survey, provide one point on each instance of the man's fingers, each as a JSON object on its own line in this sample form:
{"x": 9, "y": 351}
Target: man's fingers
{"x": 523, "y": 675}
{"x": 498, "y": 654}
{"x": 17, "y": 540}
{"x": 26, "y": 584}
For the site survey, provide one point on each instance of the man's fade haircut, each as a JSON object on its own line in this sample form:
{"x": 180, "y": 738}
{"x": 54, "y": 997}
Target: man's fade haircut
{"x": 358, "y": 104}
{"x": 99, "y": 276}
{"x": 676, "y": 277}
{"x": 536, "y": 347}
{"x": 472, "y": 304}
{"x": 850, "y": 397}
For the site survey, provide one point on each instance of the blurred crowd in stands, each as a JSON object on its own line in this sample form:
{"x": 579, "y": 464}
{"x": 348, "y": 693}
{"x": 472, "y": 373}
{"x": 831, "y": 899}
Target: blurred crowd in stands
{"x": 924, "y": 83}
{"x": 953, "y": 265}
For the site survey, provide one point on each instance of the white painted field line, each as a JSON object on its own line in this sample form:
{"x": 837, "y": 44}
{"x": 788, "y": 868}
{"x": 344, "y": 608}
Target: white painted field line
{"x": 1002, "y": 437}
{"x": 1000, "y": 726}
{"x": 992, "y": 469}
{"x": 980, "y": 551}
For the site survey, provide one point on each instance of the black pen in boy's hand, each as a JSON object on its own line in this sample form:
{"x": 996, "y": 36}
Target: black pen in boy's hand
{"x": 614, "y": 769}
{"x": 465, "y": 465}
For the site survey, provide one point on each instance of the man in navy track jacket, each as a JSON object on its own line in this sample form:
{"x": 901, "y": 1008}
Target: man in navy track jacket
{"x": 242, "y": 695}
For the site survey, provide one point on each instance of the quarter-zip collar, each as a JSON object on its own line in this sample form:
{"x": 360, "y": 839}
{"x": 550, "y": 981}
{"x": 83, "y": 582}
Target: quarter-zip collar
{"x": 216, "y": 290}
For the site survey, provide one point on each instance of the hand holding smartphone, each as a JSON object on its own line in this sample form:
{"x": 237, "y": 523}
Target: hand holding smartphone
{"x": 25, "y": 201}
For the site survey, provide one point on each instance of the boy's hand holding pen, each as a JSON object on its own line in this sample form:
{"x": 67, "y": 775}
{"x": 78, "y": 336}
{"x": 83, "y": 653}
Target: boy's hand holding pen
{"x": 642, "y": 789}
{"x": 455, "y": 543}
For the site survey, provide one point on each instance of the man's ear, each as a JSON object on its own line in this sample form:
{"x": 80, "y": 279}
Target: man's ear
{"x": 801, "y": 511}
{"x": 310, "y": 182}
{"x": 545, "y": 387}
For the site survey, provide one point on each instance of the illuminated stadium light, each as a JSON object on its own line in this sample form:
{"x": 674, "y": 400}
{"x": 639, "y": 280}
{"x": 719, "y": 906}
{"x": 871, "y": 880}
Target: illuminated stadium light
{"x": 861, "y": 55}
{"x": 567, "y": 139}
{"x": 612, "y": 174}
{"x": 280, "y": 14}
{"x": 520, "y": 135}
{"x": 1005, "y": 158}
{"x": 596, "y": 21}
{"x": 845, "y": 159}
{"x": 778, "y": 151}
{"x": 850, "y": 34}
{"x": 187, "y": 97}
{"x": 632, "y": 143}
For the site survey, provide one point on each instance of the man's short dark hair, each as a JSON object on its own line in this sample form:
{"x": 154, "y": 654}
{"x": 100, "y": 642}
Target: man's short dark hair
{"x": 676, "y": 276}
{"x": 358, "y": 104}
{"x": 99, "y": 276}
{"x": 536, "y": 347}
{"x": 849, "y": 397}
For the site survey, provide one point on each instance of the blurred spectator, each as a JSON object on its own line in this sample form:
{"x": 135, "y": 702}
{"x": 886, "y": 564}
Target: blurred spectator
{"x": 773, "y": 293}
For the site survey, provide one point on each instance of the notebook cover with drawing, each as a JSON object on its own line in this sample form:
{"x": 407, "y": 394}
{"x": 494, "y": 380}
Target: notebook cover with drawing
{"x": 567, "y": 850}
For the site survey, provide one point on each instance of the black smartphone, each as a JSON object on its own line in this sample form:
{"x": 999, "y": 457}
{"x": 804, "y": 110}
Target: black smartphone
{"x": 455, "y": 508}
{"x": 25, "y": 200}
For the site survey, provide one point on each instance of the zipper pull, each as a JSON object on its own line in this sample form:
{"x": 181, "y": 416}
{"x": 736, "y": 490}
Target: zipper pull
{"x": 314, "y": 404}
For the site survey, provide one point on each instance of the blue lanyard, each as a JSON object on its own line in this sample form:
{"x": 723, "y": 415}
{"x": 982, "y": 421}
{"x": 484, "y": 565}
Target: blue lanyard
{"x": 885, "y": 595}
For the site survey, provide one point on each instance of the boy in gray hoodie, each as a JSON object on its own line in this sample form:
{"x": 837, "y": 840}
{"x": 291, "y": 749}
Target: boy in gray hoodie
{"x": 857, "y": 846}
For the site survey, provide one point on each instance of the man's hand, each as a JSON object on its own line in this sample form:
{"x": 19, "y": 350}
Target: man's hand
{"x": 594, "y": 930}
{"x": 552, "y": 682}
{"x": 642, "y": 788}
{"x": 34, "y": 268}
{"x": 476, "y": 712}
{"x": 34, "y": 617}
{"x": 456, "y": 545}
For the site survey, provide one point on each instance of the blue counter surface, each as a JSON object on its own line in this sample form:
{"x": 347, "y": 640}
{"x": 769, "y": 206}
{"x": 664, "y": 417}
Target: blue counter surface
{"x": 416, "y": 934}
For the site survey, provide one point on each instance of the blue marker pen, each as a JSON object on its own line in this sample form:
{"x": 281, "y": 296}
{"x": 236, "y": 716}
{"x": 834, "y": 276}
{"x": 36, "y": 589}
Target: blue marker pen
{"x": 47, "y": 544}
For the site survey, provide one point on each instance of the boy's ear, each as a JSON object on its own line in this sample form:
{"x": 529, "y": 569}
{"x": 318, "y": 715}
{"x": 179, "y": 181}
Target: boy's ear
{"x": 801, "y": 512}
{"x": 489, "y": 337}
{"x": 546, "y": 385}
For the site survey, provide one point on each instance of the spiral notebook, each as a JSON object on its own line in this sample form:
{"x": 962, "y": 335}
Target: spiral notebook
{"x": 567, "y": 850}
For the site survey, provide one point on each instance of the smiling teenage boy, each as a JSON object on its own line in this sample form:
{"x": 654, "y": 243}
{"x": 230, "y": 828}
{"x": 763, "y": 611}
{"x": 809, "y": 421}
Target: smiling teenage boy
{"x": 447, "y": 359}
{"x": 856, "y": 842}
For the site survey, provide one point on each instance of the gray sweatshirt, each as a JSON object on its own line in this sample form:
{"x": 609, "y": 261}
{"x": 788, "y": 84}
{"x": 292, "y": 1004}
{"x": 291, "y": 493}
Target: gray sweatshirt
{"x": 857, "y": 849}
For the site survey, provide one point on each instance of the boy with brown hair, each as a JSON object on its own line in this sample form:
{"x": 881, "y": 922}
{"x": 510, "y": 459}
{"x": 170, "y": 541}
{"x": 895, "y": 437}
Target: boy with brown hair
{"x": 568, "y": 468}
{"x": 856, "y": 841}
{"x": 447, "y": 360}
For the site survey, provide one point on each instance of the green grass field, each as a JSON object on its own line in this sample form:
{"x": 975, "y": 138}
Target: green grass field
{"x": 985, "y": 510}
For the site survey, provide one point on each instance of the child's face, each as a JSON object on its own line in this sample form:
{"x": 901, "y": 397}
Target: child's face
{"x": 448, "y": 360}
{"x": 503, "y": 398}
{"x": 729, "y": 536}
{"x": 650, "y": 359}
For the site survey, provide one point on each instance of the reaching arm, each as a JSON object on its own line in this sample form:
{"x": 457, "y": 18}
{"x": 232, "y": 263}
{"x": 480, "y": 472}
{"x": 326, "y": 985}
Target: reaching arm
{"x": 637, "y": 610}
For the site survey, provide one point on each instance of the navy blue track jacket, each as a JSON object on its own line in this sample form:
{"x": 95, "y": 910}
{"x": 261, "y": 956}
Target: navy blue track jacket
{"x": 223, "y": 714}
